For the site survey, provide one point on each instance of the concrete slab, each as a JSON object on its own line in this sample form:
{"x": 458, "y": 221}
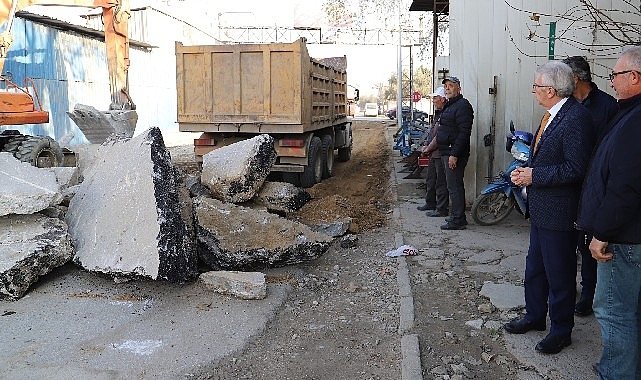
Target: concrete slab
{"x": 30, "y": 247}
{"x": 25, "y": 189}
{"x": 234, "y": 173}
{"x": 125, "y": 217}
{"x": 233, "y": 237}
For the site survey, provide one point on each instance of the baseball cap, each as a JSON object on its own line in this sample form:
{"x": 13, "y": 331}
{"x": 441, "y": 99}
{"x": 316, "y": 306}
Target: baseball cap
{"x": 451, "y": 79}
{"x": 439, "y": 92}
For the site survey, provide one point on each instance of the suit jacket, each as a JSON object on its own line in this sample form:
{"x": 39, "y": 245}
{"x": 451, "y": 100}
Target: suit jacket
{"x": 558, "y": 167}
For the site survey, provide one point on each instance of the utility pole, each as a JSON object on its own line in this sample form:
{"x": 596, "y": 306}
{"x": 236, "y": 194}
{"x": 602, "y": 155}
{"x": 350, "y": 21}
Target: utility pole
{"x": 399, "y": 76}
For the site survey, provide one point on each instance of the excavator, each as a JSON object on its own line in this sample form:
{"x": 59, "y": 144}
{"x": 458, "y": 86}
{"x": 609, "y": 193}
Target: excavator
{"x": 21, "y": 104}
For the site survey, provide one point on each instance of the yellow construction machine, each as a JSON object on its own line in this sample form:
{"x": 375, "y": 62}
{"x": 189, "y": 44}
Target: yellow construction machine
{"x": 21, "y": 105}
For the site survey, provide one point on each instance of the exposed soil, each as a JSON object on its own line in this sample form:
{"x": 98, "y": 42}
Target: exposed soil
{"x": 359, "y": 188}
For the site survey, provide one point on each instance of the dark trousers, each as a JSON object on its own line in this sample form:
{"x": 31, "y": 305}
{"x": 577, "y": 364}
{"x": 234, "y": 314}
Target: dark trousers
{"x": 436, "y": 194}
{"x": 588, "y": 266}
{"x": 456, "y": 188}
{"x": 550, "y": 278}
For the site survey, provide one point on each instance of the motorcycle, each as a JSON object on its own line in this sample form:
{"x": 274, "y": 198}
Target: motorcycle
{"x": 501, "y": 195}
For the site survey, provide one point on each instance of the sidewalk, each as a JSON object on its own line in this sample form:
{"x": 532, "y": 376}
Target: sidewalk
{"x": 477, "y": 263}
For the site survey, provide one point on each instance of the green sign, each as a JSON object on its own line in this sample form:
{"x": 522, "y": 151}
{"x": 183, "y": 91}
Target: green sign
{"x": 551, "y": 40}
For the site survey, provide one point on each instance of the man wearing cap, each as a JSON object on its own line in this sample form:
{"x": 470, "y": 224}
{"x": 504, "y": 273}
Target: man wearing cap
{"x": 453, "y": 139}
{"x": 437, "y": 198}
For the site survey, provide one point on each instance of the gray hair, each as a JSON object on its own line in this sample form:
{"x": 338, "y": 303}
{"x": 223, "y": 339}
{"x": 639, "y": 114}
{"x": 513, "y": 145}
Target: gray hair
{"x": 557, "y": 75}
{"x": 633, "y": 56}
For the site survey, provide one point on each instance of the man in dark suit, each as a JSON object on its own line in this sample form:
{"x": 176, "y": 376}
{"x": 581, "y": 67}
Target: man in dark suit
{"x": 554, "y": 175}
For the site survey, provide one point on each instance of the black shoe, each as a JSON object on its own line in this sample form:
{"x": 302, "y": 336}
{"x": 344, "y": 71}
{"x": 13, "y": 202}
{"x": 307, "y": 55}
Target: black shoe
{"x": 449, "y": 220}
{"x": 553, "y": 344}
{"x": 436, "y": 213}
{"x": 452, "y": 226}
{"x": 583, "y": 308}
{"x": 424, "y": 208}
{"x": 521, "y": 326}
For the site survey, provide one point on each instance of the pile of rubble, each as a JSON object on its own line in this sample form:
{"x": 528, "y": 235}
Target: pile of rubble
{"x": 126, "y": 211}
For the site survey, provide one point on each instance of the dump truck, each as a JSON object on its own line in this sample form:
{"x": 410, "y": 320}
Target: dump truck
{"x": 20, "y": 105}
{"x": 229, "y": 93}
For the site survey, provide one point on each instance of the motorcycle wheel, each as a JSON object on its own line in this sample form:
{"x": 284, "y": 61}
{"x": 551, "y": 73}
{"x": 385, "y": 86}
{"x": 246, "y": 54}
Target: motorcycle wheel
{"x": 489, "y": 209}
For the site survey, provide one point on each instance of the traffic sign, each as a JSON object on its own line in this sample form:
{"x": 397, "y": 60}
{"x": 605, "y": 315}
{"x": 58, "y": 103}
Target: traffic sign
{"x": 416, "y": 96}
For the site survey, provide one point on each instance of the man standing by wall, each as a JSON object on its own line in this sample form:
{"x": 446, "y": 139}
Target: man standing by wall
{"x": 453, "y": 139}
{"x": 437, "y": 199}
{"x": 611, "y": 211}
{"x": 603, "y": 107}
{"x": 553, "y": 178}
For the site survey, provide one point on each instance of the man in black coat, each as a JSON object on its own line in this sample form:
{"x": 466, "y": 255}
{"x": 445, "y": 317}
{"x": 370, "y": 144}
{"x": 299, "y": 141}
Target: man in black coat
{"x": 453, "y": 140}
{"x": 603, "y": 107}
{"x": 554, "y": 175}
{"x": 611, "y": 211}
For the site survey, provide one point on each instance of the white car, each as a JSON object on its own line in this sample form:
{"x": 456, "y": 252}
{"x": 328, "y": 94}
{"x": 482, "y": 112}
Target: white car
{"x": 371, "y": 109}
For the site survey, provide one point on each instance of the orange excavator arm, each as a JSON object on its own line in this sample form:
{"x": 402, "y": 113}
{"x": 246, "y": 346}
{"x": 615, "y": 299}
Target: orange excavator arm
{"x": 115, "y": 14}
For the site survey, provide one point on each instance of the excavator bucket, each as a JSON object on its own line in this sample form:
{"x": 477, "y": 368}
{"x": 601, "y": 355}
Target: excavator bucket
{"x": 97, "y": 126}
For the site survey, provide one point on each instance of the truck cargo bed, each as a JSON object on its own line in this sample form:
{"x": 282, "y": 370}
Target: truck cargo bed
{"x": 257, "y": 88}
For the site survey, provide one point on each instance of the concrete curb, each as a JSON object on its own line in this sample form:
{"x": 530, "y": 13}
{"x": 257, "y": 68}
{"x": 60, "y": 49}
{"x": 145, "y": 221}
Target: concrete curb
{"x": 410, "y": 350}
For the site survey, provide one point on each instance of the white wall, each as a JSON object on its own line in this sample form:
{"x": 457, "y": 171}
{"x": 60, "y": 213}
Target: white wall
{"x": 493, "y": 38}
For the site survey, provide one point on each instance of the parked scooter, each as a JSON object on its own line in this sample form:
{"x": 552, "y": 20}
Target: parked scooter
{"x": 501, "y": 195}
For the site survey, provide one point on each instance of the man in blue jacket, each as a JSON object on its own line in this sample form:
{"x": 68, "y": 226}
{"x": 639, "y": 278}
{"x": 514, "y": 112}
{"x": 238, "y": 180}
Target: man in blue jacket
{"x": 611, "y": 211}
{"x": 554, "y": 175}
{"x": 453, "y": 140}
{"x": 603, "y": 107}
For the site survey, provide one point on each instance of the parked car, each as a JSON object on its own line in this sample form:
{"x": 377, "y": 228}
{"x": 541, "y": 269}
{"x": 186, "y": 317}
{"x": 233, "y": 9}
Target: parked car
{"x": 371, "y": 109}
{"x": 418, "y": 114}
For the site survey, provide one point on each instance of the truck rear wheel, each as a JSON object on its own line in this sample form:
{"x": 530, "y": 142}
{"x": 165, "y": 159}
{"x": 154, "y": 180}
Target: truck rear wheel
{"x": 313, "y": 172}
{"x": 327, "y": 155}
{"x": 41, "y": 152}
{"x": 344, "y": 154}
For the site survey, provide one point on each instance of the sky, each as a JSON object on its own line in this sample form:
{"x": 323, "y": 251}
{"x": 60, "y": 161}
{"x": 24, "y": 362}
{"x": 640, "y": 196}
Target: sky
{"x": 367, "y": 65}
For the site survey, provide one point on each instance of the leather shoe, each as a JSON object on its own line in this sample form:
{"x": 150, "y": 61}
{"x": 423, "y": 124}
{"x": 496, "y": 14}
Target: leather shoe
{"x": 449, "y": 219}
{"x": 553, "y": 344}
{"x": 452, "y": 226}
{"x": 423, "y": 208}
{"x": 583, "y": 308}
{"x": 436, "y": 213}
{"x": 521, "y": 326}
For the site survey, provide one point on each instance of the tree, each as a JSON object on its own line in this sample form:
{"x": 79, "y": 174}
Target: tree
{"x": 422, "y": 82}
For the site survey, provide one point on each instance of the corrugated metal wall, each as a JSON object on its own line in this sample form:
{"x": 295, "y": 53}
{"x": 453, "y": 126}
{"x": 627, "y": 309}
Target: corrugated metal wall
{"x": 496, "y": 38}
{"x": 69, "y": 68}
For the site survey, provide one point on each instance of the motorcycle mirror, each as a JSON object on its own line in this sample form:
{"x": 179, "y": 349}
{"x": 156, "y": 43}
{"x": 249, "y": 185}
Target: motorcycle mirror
{"x": 512, "y": 129}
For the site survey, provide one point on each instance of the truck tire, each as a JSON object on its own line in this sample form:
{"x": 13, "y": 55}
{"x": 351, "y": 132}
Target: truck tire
{"x": 13, "y": 144}
{"x": 344, "y": 154}
{"x": 327, "y": 155}
{"x": 313, "y": 172}
{"x": 42, "y": 152}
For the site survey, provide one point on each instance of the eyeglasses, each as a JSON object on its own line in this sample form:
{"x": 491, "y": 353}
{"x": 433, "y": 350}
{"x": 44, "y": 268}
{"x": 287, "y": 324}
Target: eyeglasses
{"x": 534, "y": 86}
{"x": 615, "y": 73}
